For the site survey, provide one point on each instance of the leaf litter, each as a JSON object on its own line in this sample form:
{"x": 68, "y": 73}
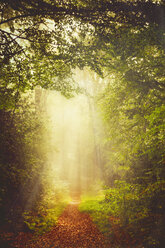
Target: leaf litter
{"x": 73, "y": 230}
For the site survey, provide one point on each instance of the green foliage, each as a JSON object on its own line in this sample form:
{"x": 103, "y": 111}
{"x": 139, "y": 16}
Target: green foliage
{"x": 132, "y": 103}
{"x": 130, "y": 207}
{"x": 42, "y": 42}
{"x": 22, "y": 158}
{"x": 126, "y": 202}
{"x": 132, "y": 107}
{"x": 19, "y": 164}
{"x": 98, "y": 211}
{"x": 44, "y": 218}
{"x": 54, "y": 198}
{"x": 123, "y": 41}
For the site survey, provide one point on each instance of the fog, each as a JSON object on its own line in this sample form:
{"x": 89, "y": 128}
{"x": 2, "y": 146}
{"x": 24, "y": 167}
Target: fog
{"x": 73, "y": 137}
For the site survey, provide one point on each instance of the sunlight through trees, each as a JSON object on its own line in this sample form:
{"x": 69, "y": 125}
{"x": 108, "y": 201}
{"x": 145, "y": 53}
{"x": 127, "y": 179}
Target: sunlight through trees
{"x": 82, "y": 115}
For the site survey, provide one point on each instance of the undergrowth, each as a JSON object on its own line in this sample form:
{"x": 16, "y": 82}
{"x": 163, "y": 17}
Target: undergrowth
{"x": 124, "y": 214}
{"x": 40, "y": 219}
{"x": 43, "y": 219}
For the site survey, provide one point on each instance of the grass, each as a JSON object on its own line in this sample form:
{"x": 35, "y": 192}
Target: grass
{"x": 93, "y": 204}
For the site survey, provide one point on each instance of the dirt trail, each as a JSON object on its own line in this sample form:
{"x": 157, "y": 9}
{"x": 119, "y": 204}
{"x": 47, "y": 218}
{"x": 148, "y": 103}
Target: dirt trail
{"x": 74, "y": 230}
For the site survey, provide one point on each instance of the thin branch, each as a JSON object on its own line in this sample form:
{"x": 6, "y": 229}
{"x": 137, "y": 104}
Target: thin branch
{"x": 17, "y": 17}
{"x": 23, "y": 38}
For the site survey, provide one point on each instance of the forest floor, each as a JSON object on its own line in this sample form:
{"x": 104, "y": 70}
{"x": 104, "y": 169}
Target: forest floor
{"x": 73, "y": 230}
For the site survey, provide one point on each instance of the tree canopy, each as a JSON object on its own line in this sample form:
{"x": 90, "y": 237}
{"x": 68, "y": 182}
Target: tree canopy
{"x": 41, "y": 41}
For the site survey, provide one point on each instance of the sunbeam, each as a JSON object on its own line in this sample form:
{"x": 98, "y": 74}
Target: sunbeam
{"x": 73, "y": 136}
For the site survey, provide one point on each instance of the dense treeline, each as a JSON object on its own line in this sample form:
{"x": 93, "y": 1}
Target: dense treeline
{"x": 21, "y": 161}
{"x": 30, "y": 196}
{"x": 133, "y": 101}
{"x": 132, "y": 108}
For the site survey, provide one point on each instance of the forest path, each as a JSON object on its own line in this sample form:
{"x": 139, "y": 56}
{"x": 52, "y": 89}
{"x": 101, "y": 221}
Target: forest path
{"x": 74, "y": 230}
